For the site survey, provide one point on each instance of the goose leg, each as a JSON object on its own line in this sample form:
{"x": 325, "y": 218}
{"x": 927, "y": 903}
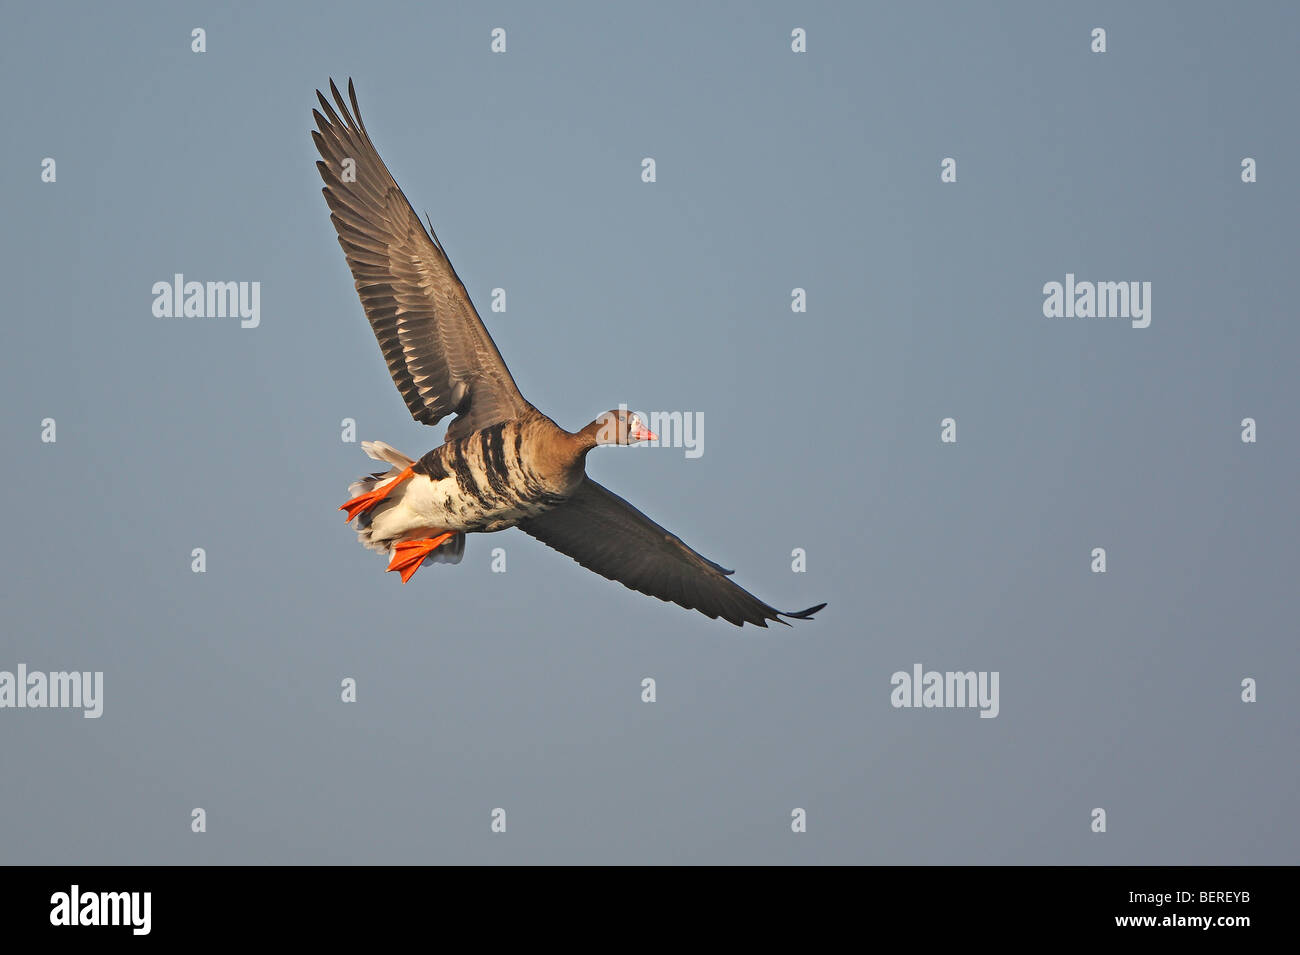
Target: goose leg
{"x": 409, "y": 555}
{"x": 364, "y": 502}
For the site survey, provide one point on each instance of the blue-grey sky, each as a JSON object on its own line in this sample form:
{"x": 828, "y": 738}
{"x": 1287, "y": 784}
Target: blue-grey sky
{"x": 775, "y": 170}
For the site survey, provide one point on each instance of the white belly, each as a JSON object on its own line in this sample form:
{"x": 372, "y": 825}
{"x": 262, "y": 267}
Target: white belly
{"x": 421, "y": 506}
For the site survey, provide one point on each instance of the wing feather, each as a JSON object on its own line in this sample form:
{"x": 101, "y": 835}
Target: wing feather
{"x": 437, "y": 349}
{"x": 607, "y": 535}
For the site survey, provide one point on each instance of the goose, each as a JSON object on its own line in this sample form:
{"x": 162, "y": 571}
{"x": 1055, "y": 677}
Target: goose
{"x": 502, "y": 462}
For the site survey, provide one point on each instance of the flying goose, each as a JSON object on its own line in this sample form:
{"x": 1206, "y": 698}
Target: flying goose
{"x": 503, "y": 463}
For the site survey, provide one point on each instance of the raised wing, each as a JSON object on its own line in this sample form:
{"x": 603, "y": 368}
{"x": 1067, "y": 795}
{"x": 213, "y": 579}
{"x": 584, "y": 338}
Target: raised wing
{"x": 606, "y": 534}
{"x": 438, "y": 351}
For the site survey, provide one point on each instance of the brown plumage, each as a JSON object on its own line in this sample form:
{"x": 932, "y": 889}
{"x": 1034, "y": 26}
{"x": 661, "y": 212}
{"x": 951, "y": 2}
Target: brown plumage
{"x": 503, "y": 463}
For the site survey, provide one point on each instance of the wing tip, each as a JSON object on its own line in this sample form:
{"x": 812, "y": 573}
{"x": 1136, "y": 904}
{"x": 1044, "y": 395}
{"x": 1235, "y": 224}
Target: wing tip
{"x": 350, "y": 120}
{"x": 775, "y": 616}
{"x": 803, "y": 614}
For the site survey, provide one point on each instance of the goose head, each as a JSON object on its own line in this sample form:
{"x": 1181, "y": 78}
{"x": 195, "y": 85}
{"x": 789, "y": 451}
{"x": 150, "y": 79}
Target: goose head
{"x": 619, "y": 426}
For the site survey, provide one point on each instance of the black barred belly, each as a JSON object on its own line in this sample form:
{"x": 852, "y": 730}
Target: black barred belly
{"x": 480, "y": 483}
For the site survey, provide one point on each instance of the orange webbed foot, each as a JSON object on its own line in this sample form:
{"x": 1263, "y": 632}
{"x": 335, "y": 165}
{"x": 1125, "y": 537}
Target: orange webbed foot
{"x": 409, "y": 555}
{"x": 364, "y": 502}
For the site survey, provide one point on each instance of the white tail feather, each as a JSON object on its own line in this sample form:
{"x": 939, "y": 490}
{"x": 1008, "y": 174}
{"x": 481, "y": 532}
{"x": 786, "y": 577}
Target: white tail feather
{"x": 449, "y": 553}
{"x": 380, "y": 451}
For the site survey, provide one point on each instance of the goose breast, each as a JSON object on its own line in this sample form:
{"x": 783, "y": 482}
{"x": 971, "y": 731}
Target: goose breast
{"x": 491, "y": 479}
